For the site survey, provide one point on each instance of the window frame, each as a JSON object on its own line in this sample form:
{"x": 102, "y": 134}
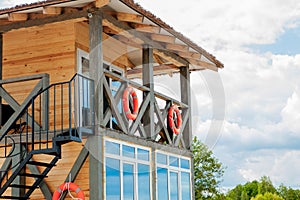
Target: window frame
{"x": 177, "y": 170}
{"x": 128, "y": 160}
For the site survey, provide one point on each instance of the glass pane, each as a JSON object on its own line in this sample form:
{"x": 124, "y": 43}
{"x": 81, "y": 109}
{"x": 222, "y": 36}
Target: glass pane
{"x": 174, "y": 161}
{"x": 161, "y": 158}
{"x": 128, "y": 182}
{"x": 143, "y": 182}
{"x": 185, "y": 185}
{"x": 113, "y": 183}
{"x": 162, "y": 183}
{"x": 174, "y": 185}
{"x": 112, "y": 148}
{"x": 143, "y": 154}
{"x": 184, "y": 163}
{"x": 128, "y": 151}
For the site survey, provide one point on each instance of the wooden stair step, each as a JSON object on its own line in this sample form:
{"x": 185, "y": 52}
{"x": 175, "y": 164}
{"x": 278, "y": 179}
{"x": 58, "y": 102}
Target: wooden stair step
{"x": 22, "y": 186}
{"x": 32, "y": 175}
{"x": 11, "y": 197}
{"x": 40, "y": 164}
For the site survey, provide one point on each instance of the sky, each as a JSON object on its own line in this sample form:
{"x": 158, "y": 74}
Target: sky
{"x": 248, "y": 112}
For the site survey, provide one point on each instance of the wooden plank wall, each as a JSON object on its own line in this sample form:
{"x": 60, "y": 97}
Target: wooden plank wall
{"x": 45, "y": 49}
{"x": 59, "y": 173}
{"x": 42, "y": 49}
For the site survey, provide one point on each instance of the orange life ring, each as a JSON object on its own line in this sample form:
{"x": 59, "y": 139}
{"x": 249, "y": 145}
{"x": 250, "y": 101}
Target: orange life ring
{"x": 171, "y": 123}
{"x": 65, "y": 186}
{"x": 130, "y": 115}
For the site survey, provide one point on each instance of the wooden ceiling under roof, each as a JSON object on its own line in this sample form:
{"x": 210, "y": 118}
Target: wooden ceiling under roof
{"x": 124, "y": 21}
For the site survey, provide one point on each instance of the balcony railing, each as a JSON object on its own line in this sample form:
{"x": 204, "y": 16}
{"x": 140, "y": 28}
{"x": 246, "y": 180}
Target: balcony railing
{"x": 115, "y": 117}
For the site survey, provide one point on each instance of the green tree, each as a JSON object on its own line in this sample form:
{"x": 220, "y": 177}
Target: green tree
{"x": 265, "y": 185}
{"x": 288, "y": 193}
{"x": 208, "y": 171}
{"x": 267, "y": 196}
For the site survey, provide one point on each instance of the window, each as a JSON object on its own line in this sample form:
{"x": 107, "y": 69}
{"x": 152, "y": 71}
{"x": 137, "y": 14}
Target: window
{"x": 84, "y": 90}
{"x": 127, "y": 171}
{"x": 114, "y": 85}
{"x": 173, "y": 177}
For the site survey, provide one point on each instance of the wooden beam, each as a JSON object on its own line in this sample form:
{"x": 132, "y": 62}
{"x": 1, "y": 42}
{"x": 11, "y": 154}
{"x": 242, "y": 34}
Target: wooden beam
{"x": 127, "y": 41}
{"x": 51, "y": 10}
{"x": 70, "y": 10}
{"x": 4, "y": 21}
{"x": 128, "y": 17}
{"x": 161, "y": 69}
{"x": 146, "y": 28}
{"x": 190, "y": 54}
{"x": 1, "y": 72}
{"x": 37, "y": 22}
{"x": 163, "y": 38}
{"x": 202, "y": 64}
{"x": 96, "y": 73}
{"x": 177, "y": 47}
{"x": 158, "y": 59}
{"x": 110, "y": 31}
{"x": 166, "y": 55}
{"x": 16, "y": 17}
{"x": 148, "y": 118}
{"x": 185, "y": 91}
{"x": 101, "y": 3}
{"x": 140, "y": 38}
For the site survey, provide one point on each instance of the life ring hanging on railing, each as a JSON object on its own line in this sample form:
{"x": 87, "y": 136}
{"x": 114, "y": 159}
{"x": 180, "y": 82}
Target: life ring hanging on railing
{"x": 174, "y": 125}
{"x": 131, "y": 115}
{"x": 70, "y": 187}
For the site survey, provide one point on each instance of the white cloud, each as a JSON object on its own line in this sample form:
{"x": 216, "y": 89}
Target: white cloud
{"x": 290, "y": 113}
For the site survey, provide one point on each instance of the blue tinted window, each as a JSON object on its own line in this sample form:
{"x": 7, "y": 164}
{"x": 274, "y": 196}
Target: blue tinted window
{"x": 161, "y": 158}
{"x": 184, "y": 163}
{"x": 128, "y": 181}
{"x": 128, "y": 151}
{"x": 113, "y": 185}
{"x": 185, "y": 185}
{"x": 143, "y": 154}
{"x": 174, "y": 161}
{"x": 162, "y": 183}
{"x": 174, "y": 187}
{"x": 112, "y": 147}
{"x": 143, "y": 182}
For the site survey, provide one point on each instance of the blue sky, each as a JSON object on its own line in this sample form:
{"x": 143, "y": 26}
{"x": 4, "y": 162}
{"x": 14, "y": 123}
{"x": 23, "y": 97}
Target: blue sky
{"x": 258, "y": 90}
{"x": 287, "y": 43}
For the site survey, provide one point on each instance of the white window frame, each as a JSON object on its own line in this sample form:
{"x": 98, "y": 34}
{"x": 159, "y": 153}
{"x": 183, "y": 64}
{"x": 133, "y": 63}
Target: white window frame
{"x": 178, "y": 170}
{"x": 124, "y": 159}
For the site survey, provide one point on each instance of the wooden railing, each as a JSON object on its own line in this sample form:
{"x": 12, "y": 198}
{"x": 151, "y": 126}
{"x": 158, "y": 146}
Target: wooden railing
{"x": 115, "y": 118}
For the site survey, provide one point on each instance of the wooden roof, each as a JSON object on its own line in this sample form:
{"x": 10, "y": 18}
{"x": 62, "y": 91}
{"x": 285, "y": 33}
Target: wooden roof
{"x": 127, "y": 22}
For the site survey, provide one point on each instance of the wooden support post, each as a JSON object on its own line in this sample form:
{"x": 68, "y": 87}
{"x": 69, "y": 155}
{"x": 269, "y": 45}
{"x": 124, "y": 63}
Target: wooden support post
{"x": 185, "y": 91}
{"x": 19, "y": 180}
{"x": 96, "y": 63}
{"x": 1, "y": 67}
{"x": 96, "y": 73}
{"x": 148, "y": 119}
{"x": 45, "y": 102}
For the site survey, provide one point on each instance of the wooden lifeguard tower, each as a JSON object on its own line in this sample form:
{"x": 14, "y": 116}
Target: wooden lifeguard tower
{"x": 78, "y": 102}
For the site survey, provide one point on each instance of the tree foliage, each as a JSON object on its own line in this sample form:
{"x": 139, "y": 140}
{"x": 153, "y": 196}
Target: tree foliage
{"x": 208, "y": 171}
{"x": 261, "y": 190}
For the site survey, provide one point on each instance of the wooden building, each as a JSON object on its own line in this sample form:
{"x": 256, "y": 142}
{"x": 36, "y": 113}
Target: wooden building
{"x": 78, "y": 102}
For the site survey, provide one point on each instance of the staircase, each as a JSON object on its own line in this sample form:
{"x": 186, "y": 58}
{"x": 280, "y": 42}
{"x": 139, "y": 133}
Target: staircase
{"x": 30, "y": 155}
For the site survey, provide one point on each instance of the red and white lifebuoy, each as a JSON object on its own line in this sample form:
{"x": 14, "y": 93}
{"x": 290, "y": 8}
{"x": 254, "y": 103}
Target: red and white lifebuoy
{"x": 131, "y": 115}
{"x": 175, "y": 127}
{"x": 68, "y": 186}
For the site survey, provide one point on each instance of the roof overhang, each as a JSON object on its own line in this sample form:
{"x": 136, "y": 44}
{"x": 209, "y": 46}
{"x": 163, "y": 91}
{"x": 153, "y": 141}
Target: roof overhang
{"x": 123, "y": 20}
